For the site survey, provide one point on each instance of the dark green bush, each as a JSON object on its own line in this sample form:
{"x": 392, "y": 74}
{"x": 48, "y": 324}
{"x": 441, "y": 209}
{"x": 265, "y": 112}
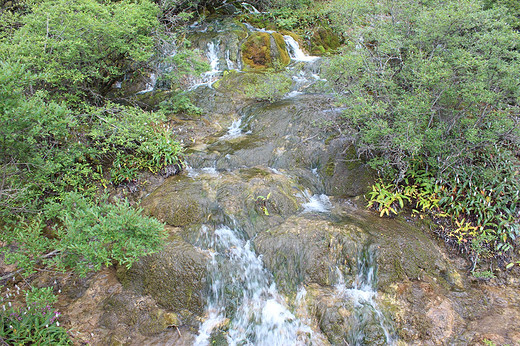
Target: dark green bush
{"x": 432, "y": 87}
{"x": 82, "y": 47}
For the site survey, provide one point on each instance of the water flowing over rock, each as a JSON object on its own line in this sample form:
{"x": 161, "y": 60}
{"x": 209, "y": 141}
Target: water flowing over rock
{"x": 270, "y": 242}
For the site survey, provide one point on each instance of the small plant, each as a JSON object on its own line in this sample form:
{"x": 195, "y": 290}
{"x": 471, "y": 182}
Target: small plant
{"x": 34, "y": 323}
{"x": 261, "y": 202}
{"x": 485, "y": 274}
{"x": 386, "y": 199}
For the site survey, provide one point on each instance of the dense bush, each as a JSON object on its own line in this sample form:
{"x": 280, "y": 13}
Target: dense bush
{"x": 62, "y": 142}
{"x": 432, "y": 87}
{"x": 82, "y": 47}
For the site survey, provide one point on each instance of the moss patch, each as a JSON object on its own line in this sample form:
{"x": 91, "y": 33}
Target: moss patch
{"x": 263, "y": 50}
{"x": 281, "y": 48}
{"x": 324, "y": 41}
{"x": 256, "y": 51}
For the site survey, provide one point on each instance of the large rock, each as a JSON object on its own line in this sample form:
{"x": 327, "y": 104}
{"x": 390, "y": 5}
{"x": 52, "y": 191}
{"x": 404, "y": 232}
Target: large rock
{"x": 255, "y": 198}
{"x": 310, "y": 250}
{"x": 288, "y": 135}
{"x": 262, "y": 50}
{"x": 174, "y": 278}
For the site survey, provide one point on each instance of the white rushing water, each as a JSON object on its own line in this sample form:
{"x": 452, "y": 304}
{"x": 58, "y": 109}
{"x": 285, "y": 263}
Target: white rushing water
{"x": 192, "y": 172}
{"x": 316, "y": 203}
{"x": 250, "y": 8}
{"x": 211, "y": 76}
{"x": 234, "y": 130}
{"x": 150, "y": 85}
{"x": 242, "y": 297}
{"x": 363, "y": 294}
{"x": 295, "y": 52}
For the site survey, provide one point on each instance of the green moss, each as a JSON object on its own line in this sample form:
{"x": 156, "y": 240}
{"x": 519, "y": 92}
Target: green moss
{"x": 329, "y": 167}
{"x": 250, "y": 173}
{"x": 351, "y": 161}
{"x": 282, "y": 49}
{"x": 263, "y": 50}
{"x": 184, "y": 214}
{"x": 256, "y": 51}
{"x": 323, "y": 41}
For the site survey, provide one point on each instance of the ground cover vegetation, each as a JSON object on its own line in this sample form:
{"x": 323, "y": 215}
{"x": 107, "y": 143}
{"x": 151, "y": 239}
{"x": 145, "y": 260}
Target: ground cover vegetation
{"x": 430, "y": 89}
{"x": 63, "y": 142}
{"x": 431, "y": 94}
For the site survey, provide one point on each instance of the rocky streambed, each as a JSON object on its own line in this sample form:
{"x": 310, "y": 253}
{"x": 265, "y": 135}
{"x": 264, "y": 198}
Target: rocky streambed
{"x": 270, "y": 242}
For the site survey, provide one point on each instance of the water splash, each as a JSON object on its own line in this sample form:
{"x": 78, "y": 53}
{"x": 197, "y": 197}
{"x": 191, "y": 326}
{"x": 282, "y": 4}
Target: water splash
{"x": 212, "y": 54}
{"x": 192, "y": 172}
{"x": 234, "y": 130}
{"x": 252, "y": 28}
{"x": 316, "y": 203}
{"x": 209, "y": 77}
{"x": 241, "y": 298}
{"x": 295, "y": 52}
{"x": 150, "y": 85}
{"x": 229, "y": 62}
{"x": 250, "y": 8}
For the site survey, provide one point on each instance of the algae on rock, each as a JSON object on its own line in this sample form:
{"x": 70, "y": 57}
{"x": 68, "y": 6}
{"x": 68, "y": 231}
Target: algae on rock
{"x": 264, "y": 50}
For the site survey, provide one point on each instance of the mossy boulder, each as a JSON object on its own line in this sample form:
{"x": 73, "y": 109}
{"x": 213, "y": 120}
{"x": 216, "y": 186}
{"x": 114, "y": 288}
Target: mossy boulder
{"x": 257, "y": 198}
{"x": 343, "y": 319}
{"x": 174, "y": 277}
{"x": 344, "y": 174}
{"x": 180, "y": 204}
{"x": 323, "y": 41}
{"x": 130, "y": 313}
{"x": 265, "y": 50}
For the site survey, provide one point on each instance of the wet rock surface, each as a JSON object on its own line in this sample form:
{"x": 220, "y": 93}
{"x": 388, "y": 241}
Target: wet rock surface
{"x": 287, "y": 185}
{"x": 174, "y": 277}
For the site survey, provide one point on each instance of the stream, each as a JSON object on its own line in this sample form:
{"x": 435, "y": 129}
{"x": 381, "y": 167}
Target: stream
{"x": 243, "y": 304}
{"x": 270, "y": 242}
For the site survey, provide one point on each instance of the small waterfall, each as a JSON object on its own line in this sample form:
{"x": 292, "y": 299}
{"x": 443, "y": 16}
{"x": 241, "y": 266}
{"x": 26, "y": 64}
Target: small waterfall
{"x": 363, "y": 294}
{"x": 242, "y": 301}
{"x": 212, "y": 55}
{"x": 316, "y": 203}
{"x": 150, "y": 85}
{"x": 234, "y": 130}
{"x": 229, "y": 62}
{"x": 250, "y": 8}
{"x": 295, "y": 52}
{"x": 209, "y": 77}
{"x": 193, "y": 173}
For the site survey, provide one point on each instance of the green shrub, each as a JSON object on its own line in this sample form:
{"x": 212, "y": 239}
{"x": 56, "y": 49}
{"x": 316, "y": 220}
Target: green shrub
{"x": 100, "y": 234}
{"x": 431, "y": 87}
{"x": 82, "y": 47}
{"x": 87, "y": 236}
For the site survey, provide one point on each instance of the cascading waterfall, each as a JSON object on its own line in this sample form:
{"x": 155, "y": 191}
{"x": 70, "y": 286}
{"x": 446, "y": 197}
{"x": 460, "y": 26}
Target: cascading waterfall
{"x": 362, "y": 294}
{"x": 242, "y": 298}
{"x": 316, "y": 203}
{"x": 295, "y": 52}
{"x": 150, "y": 85}
{"x": 244, "y": 306}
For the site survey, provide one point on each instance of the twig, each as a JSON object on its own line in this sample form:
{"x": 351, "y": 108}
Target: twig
{"x": 52, "y": 253}
{"x": 3, "y": 341}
